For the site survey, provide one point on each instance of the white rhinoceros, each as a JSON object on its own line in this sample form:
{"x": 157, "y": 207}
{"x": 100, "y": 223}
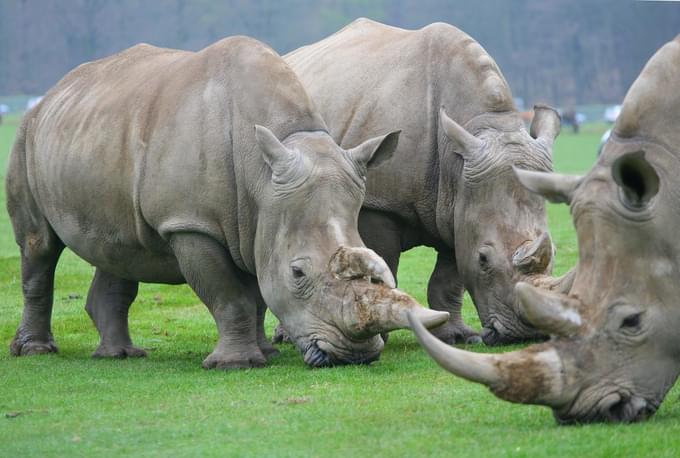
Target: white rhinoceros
{"x": 148, "y": 165}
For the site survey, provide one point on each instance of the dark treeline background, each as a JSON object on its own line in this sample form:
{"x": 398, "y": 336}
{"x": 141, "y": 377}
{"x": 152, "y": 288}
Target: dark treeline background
{"x": 565, "y": 52}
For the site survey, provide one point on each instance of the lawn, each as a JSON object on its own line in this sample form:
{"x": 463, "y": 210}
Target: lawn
{"x": 70, "y": 405}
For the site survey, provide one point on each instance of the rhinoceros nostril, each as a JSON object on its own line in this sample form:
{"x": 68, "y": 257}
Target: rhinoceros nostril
{"x": 628, "y": 409}
{"x": 316, "y": 357}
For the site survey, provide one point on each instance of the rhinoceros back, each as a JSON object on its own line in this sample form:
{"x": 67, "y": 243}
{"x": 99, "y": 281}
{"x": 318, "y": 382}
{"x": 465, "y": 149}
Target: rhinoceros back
{"x": 369, "y": 78}
{"x": 133, "y": 147}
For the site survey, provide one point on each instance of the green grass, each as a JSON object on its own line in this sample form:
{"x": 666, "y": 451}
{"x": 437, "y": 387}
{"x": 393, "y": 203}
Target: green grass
{"x": 69, "y": 404}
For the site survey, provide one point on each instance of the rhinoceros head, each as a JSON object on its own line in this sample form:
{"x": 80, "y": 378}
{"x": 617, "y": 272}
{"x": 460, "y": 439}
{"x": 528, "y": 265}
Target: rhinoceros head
{"x": 500, "y": 230}
{"x": 333, "y": 295}
{"x": 615, "y": 347}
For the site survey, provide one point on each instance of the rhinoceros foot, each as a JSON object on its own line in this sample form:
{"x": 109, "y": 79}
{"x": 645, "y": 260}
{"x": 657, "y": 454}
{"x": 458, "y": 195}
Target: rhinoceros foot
{"x": 281, "y": 335}
{"x": 118, "y": 351}
{"x": 25, "y": 345}
{"x": 268, "y": 350}
{"x": 235, "y": 360}
{"x": 453, "y": 332}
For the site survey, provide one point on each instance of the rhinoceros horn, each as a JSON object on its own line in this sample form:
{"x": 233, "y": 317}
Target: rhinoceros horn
{"x": 531, "y": 376}
{"x": 376, "y": 306}
{"x": 534, "y": 256}
{"x": 555, "y": 313}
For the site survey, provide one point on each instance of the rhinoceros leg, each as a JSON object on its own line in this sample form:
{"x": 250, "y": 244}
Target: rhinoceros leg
{"x": 445, "y": 292}
{"x": 209, "y": 270}
{"x": 108, "y": 302}
{"x": 40, "y": 251}
{"x": 34, "y": 335}
{"x": 268, "y": 350}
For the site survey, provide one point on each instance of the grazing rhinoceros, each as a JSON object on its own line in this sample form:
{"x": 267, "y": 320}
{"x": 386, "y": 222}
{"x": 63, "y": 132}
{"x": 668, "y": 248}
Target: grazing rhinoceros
{"x": 148, "y": 165}
{"x": 615, "y": 350}
{"x": 451, "y": 186}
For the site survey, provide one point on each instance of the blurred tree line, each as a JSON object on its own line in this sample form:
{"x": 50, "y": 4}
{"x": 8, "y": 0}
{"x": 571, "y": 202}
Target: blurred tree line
{"x": 565, "y": 52}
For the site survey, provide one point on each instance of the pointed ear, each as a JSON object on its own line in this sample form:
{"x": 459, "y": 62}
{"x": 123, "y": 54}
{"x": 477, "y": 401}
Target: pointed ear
{"x": 275, "y": 154}
{"x": 546, "y": 124}
{"x": 375, "y": 151}
{"x": 466, "y": 142}
{"x": 553, "y": 186}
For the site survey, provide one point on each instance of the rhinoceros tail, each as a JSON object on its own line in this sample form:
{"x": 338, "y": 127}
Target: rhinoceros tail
{"x": 32, "y": 231}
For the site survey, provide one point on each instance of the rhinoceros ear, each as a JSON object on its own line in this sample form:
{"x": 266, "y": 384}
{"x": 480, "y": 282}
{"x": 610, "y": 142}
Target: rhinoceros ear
{"x": 637, "y": 179}
{"x": 376, "y": 150}
{"x": 466, "y": 142}
{"x": 275, "y": 154}
{"x": 553, "y": 186}
{"x": 546, "y": 124}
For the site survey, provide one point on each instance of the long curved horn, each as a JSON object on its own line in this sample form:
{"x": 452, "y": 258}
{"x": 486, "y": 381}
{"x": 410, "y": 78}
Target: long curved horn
{"x": 552, "y": 312}
{"x": 476, "y": 367}
{"x": 529, "y": 376}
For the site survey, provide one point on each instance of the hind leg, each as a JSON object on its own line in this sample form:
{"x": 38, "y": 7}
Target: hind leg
{"x": 108, "y": 302}
{"x": 39, "y": 257}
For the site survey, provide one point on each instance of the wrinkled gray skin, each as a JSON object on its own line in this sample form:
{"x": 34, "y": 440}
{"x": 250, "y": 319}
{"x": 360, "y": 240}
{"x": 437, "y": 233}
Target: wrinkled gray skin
{"x": 615, "y": 350}
{"x": 449, "y": 187}
{"x": 147, "y": 165}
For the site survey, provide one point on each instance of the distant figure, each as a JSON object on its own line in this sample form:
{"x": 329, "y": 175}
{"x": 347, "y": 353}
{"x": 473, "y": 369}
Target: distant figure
{"x": 570, "y": 118}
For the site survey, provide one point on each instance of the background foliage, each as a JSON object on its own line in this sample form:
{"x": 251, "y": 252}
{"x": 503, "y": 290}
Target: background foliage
{"x": 564, "y": 52}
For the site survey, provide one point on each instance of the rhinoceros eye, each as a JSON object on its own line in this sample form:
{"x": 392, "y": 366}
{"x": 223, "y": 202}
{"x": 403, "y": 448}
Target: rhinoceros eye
{"x": 485, "y": 258}
{"x": 631, "y": 321}
{"x": 297, "y": 272}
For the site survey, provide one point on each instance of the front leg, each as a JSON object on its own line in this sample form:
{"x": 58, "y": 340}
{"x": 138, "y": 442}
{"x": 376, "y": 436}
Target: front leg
{"x": 445, "y": 292}
{"x": 209, "y": 269}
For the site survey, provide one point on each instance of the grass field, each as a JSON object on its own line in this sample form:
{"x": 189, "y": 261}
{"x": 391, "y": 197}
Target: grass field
{"x": 404, "y": 405}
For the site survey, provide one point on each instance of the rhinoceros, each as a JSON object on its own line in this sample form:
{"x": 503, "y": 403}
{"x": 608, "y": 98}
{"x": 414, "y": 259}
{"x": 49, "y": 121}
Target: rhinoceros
{"x": 451, "y": 184}
{"x": 154, "y": 165}
{"x": 615, "y": 347}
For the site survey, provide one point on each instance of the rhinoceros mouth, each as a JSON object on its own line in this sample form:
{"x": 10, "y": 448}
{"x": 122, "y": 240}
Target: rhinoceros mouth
{"x": 315, "y": 357}
{"x": 617, "y": 407}
{"x": 495, "y": 333}
{"x": 319, "y": 353}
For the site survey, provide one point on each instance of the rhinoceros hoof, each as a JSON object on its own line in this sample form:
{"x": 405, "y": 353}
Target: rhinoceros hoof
{"x": 453, "y": 333}
{"x": 269, "y": 351}
{"x": 281, "y": 335}
{"x": 22, "y": 347}
{"x": 234, "y": 361}
{"x": 118, "y": 351}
